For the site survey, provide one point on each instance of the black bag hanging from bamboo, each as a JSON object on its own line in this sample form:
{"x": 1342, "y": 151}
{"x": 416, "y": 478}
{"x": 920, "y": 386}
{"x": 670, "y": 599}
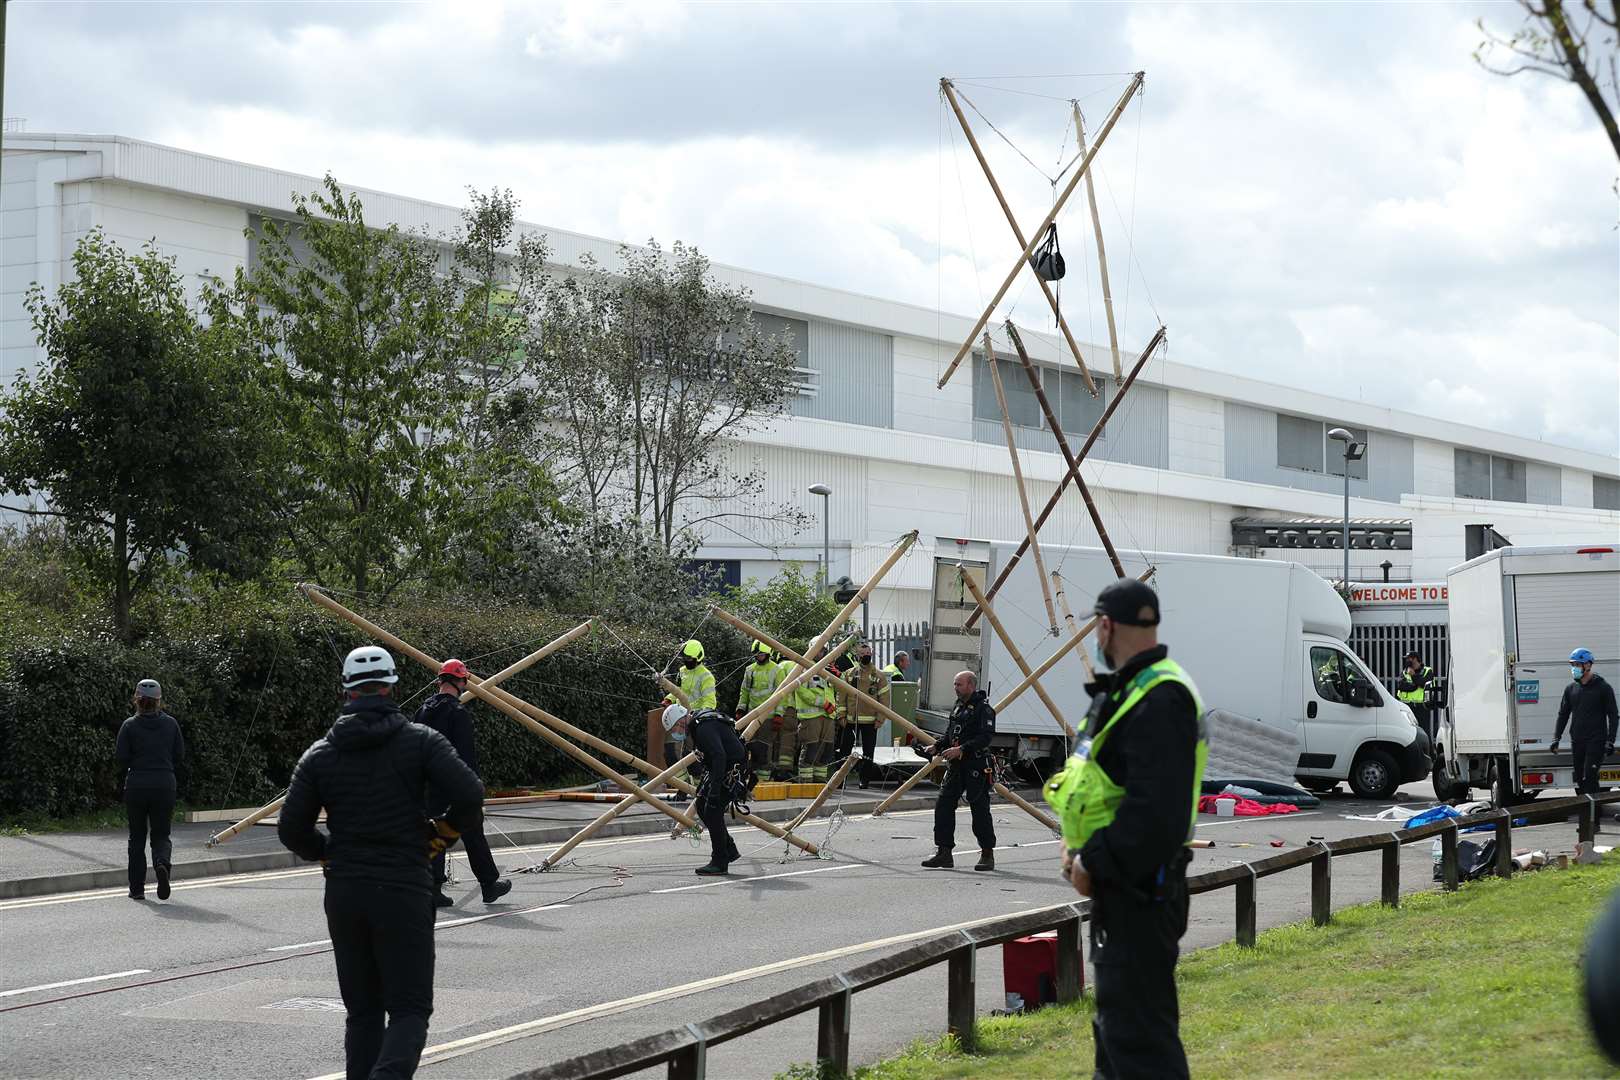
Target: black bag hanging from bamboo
{"x": 1047, "y": 261}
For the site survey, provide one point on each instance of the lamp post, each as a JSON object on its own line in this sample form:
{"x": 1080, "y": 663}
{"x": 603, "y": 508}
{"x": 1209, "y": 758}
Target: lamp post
{"x": 826, "y": 532}
{"x": 1352, "y": 452}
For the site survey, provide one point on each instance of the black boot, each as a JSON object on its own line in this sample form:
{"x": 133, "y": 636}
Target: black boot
{"x": 163, "y": 880}
{"x": 987, "y": 860}
{"x": 712, "y": 869}
{"x": 732, "y": 854}
{"x": 137, "y": 892}
{"x": 941, "y": 861}
{"x": 496, "y": 889}
{"x": 441, "y": 900}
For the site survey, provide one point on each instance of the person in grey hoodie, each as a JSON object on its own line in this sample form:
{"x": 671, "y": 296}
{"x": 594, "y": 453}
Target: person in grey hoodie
{"x": 152, "y": 752}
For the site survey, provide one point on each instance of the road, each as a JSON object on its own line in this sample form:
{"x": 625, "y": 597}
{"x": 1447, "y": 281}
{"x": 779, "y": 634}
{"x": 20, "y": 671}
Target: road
{"x": 231, "y": 977}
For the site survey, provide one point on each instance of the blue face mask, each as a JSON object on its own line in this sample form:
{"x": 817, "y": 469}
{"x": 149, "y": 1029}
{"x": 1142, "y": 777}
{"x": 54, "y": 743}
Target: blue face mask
{"x": 678, "y": 735}
{"x": 1102, "y": 661}
{"x": 1575, "y": 673}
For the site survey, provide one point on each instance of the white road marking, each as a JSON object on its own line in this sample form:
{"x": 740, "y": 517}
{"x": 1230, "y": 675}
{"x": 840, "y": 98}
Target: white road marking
{"x": 436, "y": 926}
{"x": 758, "y": 877}
{"x": 445, "y": 1051}
{"x": 75, "y": 982}
{"x": 1245, "y": 820}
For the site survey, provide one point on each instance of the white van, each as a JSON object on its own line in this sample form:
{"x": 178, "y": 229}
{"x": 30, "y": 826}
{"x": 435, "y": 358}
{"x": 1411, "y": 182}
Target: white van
{"x": 1262, "y": 638}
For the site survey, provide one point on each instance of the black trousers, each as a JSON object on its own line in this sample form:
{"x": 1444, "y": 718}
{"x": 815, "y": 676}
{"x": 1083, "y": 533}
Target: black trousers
{"x": 1588, "y": 751}
{"x": 868, "y": 737}
{"x": 150, "y": 811}
{"x": 382, "y": 940}
{"x": 969, "y": 780}
{"x": 713, "y": 815}
{"x": 1427, "y": 719}
{"x": 1137, "y": 1028}
{"x": 479, "y": 857}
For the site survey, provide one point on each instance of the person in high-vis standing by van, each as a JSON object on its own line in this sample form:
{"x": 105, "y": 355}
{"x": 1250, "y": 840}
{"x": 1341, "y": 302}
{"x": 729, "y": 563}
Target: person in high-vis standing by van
{"x": 1127, "y": 800}
{"x": 1416, "y": 681}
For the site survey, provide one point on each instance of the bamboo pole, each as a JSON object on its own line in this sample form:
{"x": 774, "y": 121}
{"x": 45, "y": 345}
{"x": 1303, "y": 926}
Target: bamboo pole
{"x": 1018, "y": 479}
{"x": 910, "y": 782}
{"x": 752, "y": 720}
{"x": 534, "y": 658}
{"x": 504, "y": 702}
{"x": 1074, "y": 627}
{"x": 828, "y": 788}
{"x": 1057, "y": 654}
{"x": 1012, "y": 649}
{"x": 1051, "y": 216}
{"x": 1063, "y": 447}
{"x": 860, "y": 695}
{"x": 252, "y": 819}
{"x": 1102, "y": 257}
{"x": 1018, "y": 234}
{"x": 1074, "y": 470}
{"x": 862, "y": 593}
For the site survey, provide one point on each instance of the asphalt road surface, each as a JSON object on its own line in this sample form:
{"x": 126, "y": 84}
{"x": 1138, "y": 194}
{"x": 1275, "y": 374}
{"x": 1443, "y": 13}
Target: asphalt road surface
{"x": 231, "y": 977}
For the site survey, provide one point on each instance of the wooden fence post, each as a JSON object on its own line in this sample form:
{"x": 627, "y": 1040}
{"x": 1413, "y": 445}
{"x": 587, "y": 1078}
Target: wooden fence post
{"x": 832, "y": 1034}
{"x": 1391, "y": 896}
{"x": 961, "y": 1002}
{"x": 1448, "y": 858}
{"x": 1504, "y": 844}
{"x": 1246, "y": 910}
{"x": 1071, "y": 966}
{"x": 1322, "y": 887}
{"x": 690, "y": 1063}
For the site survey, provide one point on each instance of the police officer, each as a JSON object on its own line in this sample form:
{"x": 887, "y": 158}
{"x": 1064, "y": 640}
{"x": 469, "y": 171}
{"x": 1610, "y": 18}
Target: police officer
{"x": 1413, "y": 689}
{"x": 965, "y": 749}
{"x": 152, "y": 753}
{"x": 444, "y": 713}
{"x": 722, "y": 752}
{"x": 369, "y": 772}
{"x": 1589, "y": 702}
{"x": 1126, "y": 800}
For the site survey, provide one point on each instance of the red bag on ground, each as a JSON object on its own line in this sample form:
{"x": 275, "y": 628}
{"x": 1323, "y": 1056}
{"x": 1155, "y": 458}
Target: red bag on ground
{"x": 1245, "y": 807}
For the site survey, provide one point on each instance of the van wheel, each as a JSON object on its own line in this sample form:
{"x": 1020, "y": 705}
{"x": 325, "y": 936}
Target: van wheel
{"x": 1373, "y": 776}
{"x": 1446, "y": 790}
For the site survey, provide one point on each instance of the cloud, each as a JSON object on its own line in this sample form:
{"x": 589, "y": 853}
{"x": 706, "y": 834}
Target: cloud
{"x": 1334, "y": 196}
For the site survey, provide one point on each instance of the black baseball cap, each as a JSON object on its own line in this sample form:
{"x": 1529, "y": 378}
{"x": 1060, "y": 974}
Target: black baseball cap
{"x": 1124, "y": 600}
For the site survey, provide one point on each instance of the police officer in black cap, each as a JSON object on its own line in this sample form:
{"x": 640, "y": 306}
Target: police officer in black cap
{"x": 1126, "y": 801}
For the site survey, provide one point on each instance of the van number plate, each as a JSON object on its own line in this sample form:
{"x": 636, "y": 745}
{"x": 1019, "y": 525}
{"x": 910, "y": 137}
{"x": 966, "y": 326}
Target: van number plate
{"x": 1610, "y": 775}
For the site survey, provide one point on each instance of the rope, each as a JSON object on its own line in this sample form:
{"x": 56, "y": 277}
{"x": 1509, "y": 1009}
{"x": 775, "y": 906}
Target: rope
{"x": 241, "y": 750}
{"x": 991, "y": 125}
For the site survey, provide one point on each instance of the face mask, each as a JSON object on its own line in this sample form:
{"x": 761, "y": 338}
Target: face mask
{"x": 1575, "y": 673}
{"x": 677, "y": 735}
{"x": 690, "y": 662}
{"x": 865, "y": 660}
{"x": 1101, "y": 658}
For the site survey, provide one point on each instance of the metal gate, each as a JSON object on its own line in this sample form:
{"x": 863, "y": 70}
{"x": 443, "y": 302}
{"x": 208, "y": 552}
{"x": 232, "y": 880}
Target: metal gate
{"x": 888, "y": 638}
{"x": 1383, "y": 645}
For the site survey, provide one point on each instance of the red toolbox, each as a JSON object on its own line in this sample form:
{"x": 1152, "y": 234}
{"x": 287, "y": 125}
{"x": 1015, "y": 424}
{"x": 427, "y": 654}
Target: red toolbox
{"x": 1029, "y": 969}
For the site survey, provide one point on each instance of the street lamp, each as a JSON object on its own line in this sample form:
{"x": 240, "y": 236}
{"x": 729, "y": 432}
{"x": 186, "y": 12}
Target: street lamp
{"x": 826, "y": 535}
{"x": 1352, "y": 452}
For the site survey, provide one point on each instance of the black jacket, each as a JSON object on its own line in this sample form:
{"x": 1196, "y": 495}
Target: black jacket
{"x": 1592, "y": 708}
{"x": 369, "y": 773}
{"x": 446, "y": 714}
{"x": 153, "y": 751}
{"x": 971, "y": 726}
{"x": 717, "y": 740}
{"x": 1151, "y": 754}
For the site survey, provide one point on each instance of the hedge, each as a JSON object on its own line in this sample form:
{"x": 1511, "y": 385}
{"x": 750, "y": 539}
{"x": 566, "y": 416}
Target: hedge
{"x": 254, "y": 683}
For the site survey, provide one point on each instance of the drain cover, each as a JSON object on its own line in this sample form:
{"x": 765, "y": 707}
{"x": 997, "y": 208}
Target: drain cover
{"x": 306, "y": 1004}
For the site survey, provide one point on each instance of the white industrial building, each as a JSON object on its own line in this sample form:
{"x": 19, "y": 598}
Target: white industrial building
{"x": 1194, "y": 461}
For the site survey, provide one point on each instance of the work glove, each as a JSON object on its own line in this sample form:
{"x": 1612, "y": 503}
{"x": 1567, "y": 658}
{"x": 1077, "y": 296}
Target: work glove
{"x": 441, "y": 834}
{"x": 1555, "y": 746}
{"x": 738, "y": 713}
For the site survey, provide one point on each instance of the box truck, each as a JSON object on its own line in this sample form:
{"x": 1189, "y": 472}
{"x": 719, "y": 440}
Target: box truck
{"x": 1262, "y": 638}
{"x": 1516, "y": 614}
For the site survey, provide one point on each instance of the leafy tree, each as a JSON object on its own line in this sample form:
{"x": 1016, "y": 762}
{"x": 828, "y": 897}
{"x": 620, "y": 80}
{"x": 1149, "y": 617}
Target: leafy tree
{"x": 146, "y": 432}
{"x": 791, "y": 607}
{"x": 1577, "y": 42}
{"x": 364, "y": 337}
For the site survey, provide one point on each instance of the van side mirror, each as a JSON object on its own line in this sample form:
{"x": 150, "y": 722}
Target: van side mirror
{"x": 1359, "y": 695}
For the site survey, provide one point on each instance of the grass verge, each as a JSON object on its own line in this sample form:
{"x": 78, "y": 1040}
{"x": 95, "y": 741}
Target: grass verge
{"x": 34, "y": 822}
{"x": 1483, "y": 982}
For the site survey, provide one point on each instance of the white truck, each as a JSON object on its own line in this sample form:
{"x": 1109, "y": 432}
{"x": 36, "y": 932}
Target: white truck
{"x": 1516, "y": 615}
{"x": 1262, "y": 638}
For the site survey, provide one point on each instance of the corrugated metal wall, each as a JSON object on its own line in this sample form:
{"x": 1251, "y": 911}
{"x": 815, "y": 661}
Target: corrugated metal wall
{"x": 1138, "y": 433}
{"x": 788, "y": 476}
{"x": 1134, "y": 522}
{"x": 1544, "y": 484}
{"x": 1251, "y": 454}
{"x": 855, "y": 381}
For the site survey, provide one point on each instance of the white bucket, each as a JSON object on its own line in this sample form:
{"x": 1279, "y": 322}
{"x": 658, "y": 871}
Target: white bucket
{"x": 1225, "y": 807}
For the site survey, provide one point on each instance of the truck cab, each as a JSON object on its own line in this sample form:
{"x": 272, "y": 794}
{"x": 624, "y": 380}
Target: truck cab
{"x": 1353, "y": 729}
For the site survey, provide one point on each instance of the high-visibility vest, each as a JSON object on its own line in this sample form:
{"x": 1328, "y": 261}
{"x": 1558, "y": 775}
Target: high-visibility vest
{"x": 1420, "y": 693}
{"x": 806, "y": 699}
{"x": 698, "y": 686}
{"x": 1082, "y": 793}
{"x": 759, "y": 682}
{"x": 893, "y": 672}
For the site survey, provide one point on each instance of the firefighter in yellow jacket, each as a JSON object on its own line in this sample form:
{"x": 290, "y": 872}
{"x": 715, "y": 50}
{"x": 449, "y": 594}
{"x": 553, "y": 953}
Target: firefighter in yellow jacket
{"x": 817, "y": 728}
{"x": 759, "y": 681}
{"x": 863, "y": 718}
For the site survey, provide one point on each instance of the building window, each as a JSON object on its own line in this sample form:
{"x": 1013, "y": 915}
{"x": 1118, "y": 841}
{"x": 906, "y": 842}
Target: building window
{"x": 1486, "y": 476}
{"x": 1022, "y": 408}
{"x": 1078, "y": 411}
{"x": 1605, "y": 492}
{"x": 1303, "y": 444}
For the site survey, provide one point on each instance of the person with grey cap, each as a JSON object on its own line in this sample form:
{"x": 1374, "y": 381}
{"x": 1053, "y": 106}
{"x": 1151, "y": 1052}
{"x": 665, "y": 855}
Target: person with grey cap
{"x": 152, "y": 753}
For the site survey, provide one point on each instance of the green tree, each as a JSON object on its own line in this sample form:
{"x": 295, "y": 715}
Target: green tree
{"x": 790, "y": 607}
{"x": 1577, "y": 42}
{"x": 141, "y": 430}
{"x": 364, "y": 336}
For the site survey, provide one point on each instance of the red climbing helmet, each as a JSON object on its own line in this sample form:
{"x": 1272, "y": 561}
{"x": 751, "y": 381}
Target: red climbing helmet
{"x": 454, "y": 669}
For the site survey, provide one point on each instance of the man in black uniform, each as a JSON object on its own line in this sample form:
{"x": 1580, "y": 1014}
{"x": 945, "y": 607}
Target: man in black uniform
{"x": 1589, "y": 702}
{"x": 724, "y": 759}
{"x": 1141, "y": 748}
{"x": 369, "y": 773}
{"x": 965, "y": 749}
{"x": 444, "y": 713}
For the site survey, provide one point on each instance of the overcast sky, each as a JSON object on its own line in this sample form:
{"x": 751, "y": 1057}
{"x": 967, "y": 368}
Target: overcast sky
{"x": 1328, "y": 196}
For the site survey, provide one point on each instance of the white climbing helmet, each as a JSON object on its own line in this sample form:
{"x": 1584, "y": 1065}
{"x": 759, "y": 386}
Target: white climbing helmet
{"x": 368, "y": 664}
{"x": 674, "y": 714}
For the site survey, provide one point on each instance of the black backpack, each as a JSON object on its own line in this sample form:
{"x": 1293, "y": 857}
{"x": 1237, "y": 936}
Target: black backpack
{"x": 1047, "y": 260}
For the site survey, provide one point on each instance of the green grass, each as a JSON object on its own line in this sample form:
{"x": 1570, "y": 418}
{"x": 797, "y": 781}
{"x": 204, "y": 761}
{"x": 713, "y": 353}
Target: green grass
{"x": 32, "y": 823}
{"x": 1483, "y": 982}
